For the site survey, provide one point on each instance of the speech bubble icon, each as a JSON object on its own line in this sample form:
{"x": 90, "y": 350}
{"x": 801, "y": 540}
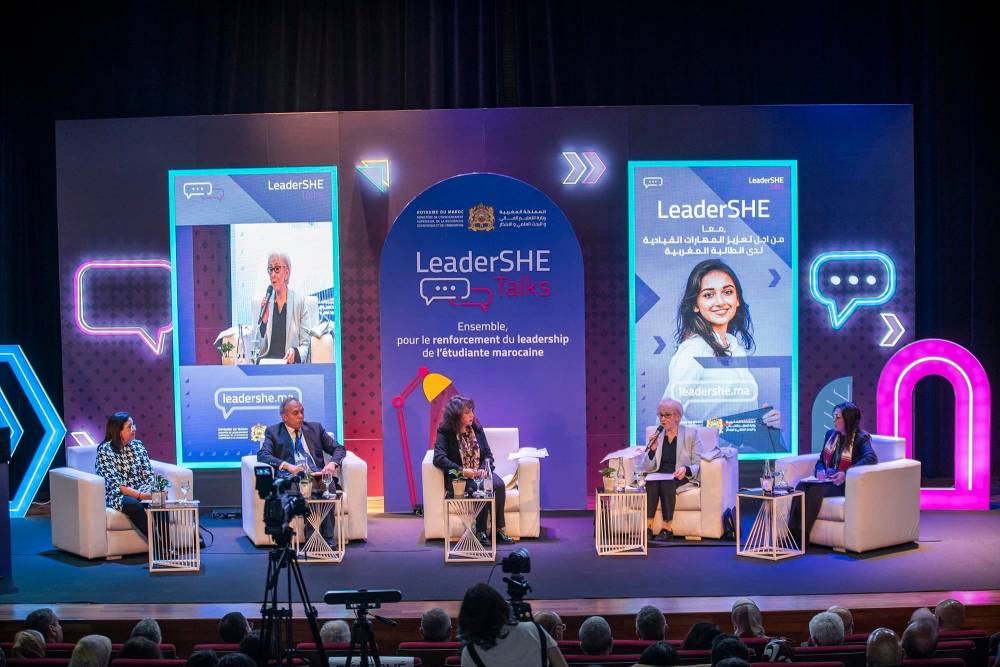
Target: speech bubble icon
{"x": 117, "y": 297}
{"x": 432, "y": 289}
{"x": 200, "y": 189}
{"x": 845, "y": 280}
{"x": 230, "y": 399}
{"x": 652, "y": 181}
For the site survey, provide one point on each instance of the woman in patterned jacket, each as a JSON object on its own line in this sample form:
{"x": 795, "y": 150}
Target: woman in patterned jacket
{"x": 123, "y": 462}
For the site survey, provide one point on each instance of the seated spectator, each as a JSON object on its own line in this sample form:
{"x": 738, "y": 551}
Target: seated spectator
{"x": 148, "y": 628}
{"x": 950, "y": 614}
{"x": 251, "y": 646}
{"x": 700, "y": 636}
{"x": 46, "y": 622}
{"x": 435, "y": 625}
{"x": 778, "y": 650}
{"x": 747, "y": 619}
{"x": 595, "y": 636}
{"x": 140, "y": 648}
{"x": 651, "y": 624}
{"x": 994, "y": 643}
{"x": 660, "y": 654}
{"x": 920, "y": 638}
{"x": 923, "y": 612}
{"x": 233, "y": 627}
{"x": 826, "y": 629}
{"x": 238, "y": 659}
{"x": 727, "y": 646}
{"x": 732, "y": 662}
{"x": 28, "y": 644}
{"x": 845, "y": 615}
{"x": 91, "y": 651}
{"x": 883, "y": 649}
{"x": 203, "y": 659}
{"x": 493, "y": 638}
{"x": 552, "y": 623}
{"x": 335, "y": 632}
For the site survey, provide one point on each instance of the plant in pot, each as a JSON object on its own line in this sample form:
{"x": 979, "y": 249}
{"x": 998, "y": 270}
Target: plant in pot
{"x": 158, "y": 491}
{"x": 227, "y": 353}
{"x": 608, "y": 474}
{"x": 457, "y": 482}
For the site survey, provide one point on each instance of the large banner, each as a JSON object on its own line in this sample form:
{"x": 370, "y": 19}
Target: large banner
{"x": 255, "y": 293}
{"x": 482, "y": 295}
{"x": 713, "y": 299}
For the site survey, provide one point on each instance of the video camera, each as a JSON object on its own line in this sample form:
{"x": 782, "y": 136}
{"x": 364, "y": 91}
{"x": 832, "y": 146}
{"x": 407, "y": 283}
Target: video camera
{"x": 516, "y": 564}
{"x": 283, "y": 501}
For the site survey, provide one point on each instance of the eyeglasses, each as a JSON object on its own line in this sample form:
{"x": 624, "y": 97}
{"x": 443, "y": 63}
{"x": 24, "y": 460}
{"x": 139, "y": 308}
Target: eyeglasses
{"x": 275, "y": 269}
{"x": 663, "y": 415}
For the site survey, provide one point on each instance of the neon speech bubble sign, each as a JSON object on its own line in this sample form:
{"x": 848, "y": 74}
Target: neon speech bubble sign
{"x": 942, "y": 358}
{"x": 156, "y": 340}
{"x": 853, "y": 284}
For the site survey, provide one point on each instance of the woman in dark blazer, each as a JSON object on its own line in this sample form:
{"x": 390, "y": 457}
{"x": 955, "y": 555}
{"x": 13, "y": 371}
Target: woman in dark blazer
{"x": 461, "y": 445}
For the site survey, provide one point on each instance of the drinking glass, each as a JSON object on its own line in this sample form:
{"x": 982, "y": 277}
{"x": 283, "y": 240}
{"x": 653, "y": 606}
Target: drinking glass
{"x": 185, "y": 489}
{"x": 327, "y": 483}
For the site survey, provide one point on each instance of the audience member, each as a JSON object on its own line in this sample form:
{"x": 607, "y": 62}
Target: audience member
{"x": 950, "y": 614}
{"x": 335, "y": 632}
{"x": 732, "y": 662}
{"x": 238, "y": 659}
{"x": 28, "y": 644}
{"x": 778, "y": 649}
{"x": 700, "y": 636}
{"x": 148, "y": 628}
{"x": 233, "y": 627}
{"x": 845, "y": 615}
{"x": 251, "y": 646}
{"x": 826, "y": 629}
{"x": 994, "y": 643}
{"x": 883, "y": 649}
{"x": 46, "y": 622}
{"x": 660, "y": 654}
{"x": 203, "y": 659}
{"x": 650, "y": 624}
{"x": 595, "y": 636}
{"x": 920, "y": 638}
{"x": 91, "y": 651}
{"x": 3, "y": 658}
{"x": 140, "y": 648}
{"x": 552, "y": 623}
{"x": 747, "y": 619}
{"x": 727, "y": 646}
{"x": 435, "y": 625}
{"x": 923, "y": 612}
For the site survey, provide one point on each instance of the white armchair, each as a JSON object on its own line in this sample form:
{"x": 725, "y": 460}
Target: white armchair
{"x": 353, "y": 480}
{"x": 522, "y": 511}
{"x": 881, "y": 505}
{"x": 81, "y": 524}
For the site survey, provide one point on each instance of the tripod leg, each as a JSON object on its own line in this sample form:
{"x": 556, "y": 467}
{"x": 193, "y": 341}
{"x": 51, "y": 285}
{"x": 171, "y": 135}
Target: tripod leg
{"x": 311, "y": 613}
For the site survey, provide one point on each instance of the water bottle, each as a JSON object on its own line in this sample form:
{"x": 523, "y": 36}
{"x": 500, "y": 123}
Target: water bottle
{"x": 767, "y": 479}
{"x": 488, "y": 481}
{"x": 620, "y": 480}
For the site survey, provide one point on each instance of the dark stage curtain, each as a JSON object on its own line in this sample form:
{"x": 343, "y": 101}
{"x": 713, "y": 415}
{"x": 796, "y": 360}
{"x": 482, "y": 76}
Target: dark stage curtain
{"x": 97, "y": 60}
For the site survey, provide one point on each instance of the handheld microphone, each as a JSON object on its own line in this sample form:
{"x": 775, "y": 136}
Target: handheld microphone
{"x": 659, "y": 430}
{"x": 263, "y": 306}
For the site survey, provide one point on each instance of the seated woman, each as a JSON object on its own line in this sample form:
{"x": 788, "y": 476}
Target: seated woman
{"x": 123, "y": 462}
{"x": 461, "y": 445}
{"x": 846, "y": 446}
{"x": 672, "y": 458}
{"x": 493, "y": 638}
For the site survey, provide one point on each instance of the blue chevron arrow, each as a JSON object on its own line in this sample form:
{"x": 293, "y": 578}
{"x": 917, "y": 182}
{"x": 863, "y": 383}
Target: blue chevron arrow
{"x": 660, "y": 344}
{"x": 775, "y": 277}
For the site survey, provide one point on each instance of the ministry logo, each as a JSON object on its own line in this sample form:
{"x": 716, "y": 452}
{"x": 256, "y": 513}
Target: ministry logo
{"x": 481, "y": 218}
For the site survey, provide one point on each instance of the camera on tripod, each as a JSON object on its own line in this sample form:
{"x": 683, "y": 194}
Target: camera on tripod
{"x": 283, "y": 501}
{"x": 516, "y": 564}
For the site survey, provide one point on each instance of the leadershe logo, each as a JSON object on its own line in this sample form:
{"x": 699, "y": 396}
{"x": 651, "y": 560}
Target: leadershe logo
{"x": 230, "y": 399}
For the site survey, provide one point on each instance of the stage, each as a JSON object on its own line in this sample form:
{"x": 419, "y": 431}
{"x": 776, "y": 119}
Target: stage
{"x": 957, "y": 551}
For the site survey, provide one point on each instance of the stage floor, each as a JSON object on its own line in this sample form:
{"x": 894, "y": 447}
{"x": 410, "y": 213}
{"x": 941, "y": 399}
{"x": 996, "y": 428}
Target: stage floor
{"x": 958, "y": 551}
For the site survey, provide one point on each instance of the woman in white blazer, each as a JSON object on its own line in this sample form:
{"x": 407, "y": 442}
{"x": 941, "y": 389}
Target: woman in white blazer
{"x": 672, "y": 460}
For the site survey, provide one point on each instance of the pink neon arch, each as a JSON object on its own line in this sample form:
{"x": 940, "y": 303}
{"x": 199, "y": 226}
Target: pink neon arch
{"x": 967, "y": 377}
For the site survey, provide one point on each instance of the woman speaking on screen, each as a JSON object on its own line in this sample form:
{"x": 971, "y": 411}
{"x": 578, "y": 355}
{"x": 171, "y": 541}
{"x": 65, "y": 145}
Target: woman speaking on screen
{"x": 714, "y": 325}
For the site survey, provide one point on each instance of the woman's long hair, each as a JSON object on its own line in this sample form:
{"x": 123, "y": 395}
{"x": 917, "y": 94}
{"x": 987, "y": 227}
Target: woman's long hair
{"x": 113, "y": 429}
{"x": 451, "y": 418}
{"x": 483, "y": 616}
{"x": 851, "y": 415}
{"x": 690, "y": 323}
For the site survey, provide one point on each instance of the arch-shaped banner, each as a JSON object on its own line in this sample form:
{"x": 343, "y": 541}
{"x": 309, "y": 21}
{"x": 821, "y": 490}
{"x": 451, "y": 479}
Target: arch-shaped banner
{"x": 482, "y": 295}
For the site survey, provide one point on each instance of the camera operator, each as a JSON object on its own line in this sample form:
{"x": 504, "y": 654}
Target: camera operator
{"x": 296, "y": 446}
{"x": 493, "y": 638}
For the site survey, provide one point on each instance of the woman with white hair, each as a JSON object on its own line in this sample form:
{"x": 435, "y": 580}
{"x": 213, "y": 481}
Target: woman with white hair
{"x": 284, "y": 318}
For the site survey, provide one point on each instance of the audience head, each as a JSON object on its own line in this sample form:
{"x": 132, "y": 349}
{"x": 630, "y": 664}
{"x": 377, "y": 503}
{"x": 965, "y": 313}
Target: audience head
{"x": 482, "y": 616}
{"x": 335, "y": 632}
{"x": 233, "y": 627}
{"x": 920, "y": 638}
{"x": 747, "y": 619}
{"x": 845, "y": 615}
{"x": 650, "y": 624}
{"x": 238, "y": 659}
{"x": 727, "y": 646}
{"x": 251, "y": 646}
{"x": 732, "y": 662}
{"x": 826, "y": 629}
{"x": 950, "y": 614}
{"x": 148, "y": 628}
{"x": 923, "y": 613}
{"x": 46, "y": 622}
{"x": 28, "y": 644}
{"x": 660, "y": 654}
{"x": 435, "y": 625}
{"x": 203, "y": 659}
{"x": 552, "y": 623}
{"x": 883, "y": 649}
{"x": 778, "y": 650}
{"x": 141, "y": 648}
{"x": 994, "y": 643}
{"x": 700, "y": 636}
{"x": 595, "y": 636}
{"x": 91, "y": 651}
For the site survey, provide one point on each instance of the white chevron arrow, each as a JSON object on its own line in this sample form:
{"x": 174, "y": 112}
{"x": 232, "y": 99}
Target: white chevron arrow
{"x": 597, "y": 167}
{"x": 896, "y": 330}
{"x": 577, "y": 168}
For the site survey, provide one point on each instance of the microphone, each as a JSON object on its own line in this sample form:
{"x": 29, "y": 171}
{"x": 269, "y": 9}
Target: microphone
{"x": 263, "y": 306}
{"x": 659, "y": 430}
